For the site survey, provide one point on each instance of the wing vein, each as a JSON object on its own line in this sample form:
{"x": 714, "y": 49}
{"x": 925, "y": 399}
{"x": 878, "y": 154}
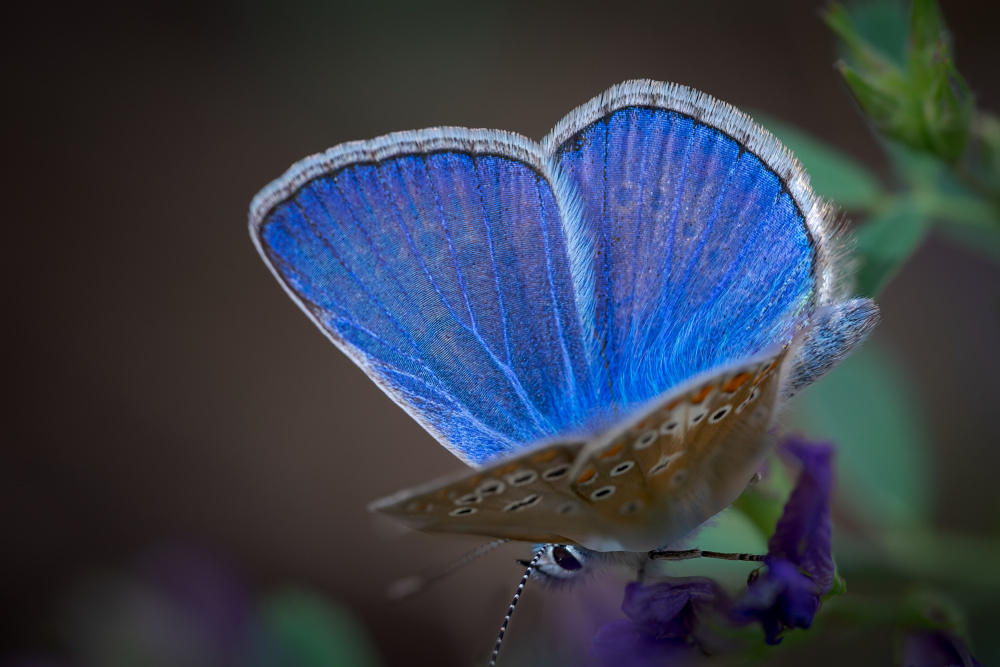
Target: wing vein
{"x": 536, "y": 416}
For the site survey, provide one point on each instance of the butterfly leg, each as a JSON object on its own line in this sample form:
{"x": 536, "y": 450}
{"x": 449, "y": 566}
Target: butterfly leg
{"x": 671, "y": 554}
{"x": 837, "y": 332}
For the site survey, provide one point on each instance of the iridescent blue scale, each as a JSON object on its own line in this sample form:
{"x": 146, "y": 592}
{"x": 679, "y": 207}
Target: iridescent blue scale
{"x": 702, "y": 256}
{"x": 506, "y": 292}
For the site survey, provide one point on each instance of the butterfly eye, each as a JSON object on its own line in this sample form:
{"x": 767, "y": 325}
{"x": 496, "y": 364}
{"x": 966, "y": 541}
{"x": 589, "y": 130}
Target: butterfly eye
{"x": 565, "y": 559}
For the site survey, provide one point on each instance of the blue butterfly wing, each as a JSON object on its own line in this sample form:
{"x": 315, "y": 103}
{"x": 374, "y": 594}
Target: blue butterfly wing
{"x": 707, "y": 240}
{"x": 504, "y": 292}
{"x": 438, "y": 262}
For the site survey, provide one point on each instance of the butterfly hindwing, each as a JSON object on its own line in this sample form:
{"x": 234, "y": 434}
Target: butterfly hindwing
{"x": 525, "y": 497}
{"x": 681, "y": 459}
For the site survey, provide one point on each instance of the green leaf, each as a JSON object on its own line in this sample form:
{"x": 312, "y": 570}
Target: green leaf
{"x": 949, "y": 110}
{"x": 867, "y": 408}
{"x": 886, "y": 240}
{"x": 839, "y": 587}
{"x": 872, "y": 35}
{"x": 762, "y": 509}
{"x": 313, "y": 632}
{"x": 927, "y": 26}
{"x": 834, "y": 175}
{"x": 885, "y": 99}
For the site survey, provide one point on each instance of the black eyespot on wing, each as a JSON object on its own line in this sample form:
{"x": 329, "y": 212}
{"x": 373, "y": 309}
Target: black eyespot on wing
{"x": 622, "y": 468}
{"x": 719, "y": 414}
{"x": 564, "y": 559}
{"x": 491, "y": 487}
{"x": 669, "y": 427}
{"x": 522, "y": 477}
{"x": 555, "y": 473}
{"x": 602, "y": 493}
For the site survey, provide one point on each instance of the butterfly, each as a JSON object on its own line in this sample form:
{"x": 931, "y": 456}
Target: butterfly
{"x": 603, "y": 325}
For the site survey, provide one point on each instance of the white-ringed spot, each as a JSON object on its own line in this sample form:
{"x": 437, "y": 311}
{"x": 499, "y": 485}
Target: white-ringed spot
{"x": 491, "y": 487}
{"x": 603, "y": 492}
{"x": 463, "y": 511}
{"x": 697, "y": 415}
{"x": 669, "y": 426}
{"x": 524, "y": 503}
{"x": 622, "y": 468}
{"x": 720, "y": 414}
{"x": 522, "y": 477}
{"x": 469, "y": 499}
{"x": 664, "y": 463}
{"x": 645, "y": 440}
{"x": 555, "y": 473}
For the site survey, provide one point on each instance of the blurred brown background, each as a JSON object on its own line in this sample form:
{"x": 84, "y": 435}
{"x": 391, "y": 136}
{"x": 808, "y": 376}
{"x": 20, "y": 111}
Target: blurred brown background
{"x": 161, "y": 386}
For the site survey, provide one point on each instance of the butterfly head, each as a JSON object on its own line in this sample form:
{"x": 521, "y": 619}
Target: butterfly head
{"x": 561, "y": 564}
{"x": 565, "y": 564}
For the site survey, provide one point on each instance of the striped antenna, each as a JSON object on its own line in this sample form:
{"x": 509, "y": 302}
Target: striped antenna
{"x": 513, "y": 603}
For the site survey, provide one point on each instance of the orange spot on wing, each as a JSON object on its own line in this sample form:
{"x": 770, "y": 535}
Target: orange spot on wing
{"x": 587, "y": 475}
{"x": 767, "y": 372}
{"x": 509, "y": 468}
{"x": 703, "y": 394}
{"x": 545, "y": 457}
{"x": 736, "y": 383}
{"x": 613, "y": 451}
{"x": 674, "y": 403}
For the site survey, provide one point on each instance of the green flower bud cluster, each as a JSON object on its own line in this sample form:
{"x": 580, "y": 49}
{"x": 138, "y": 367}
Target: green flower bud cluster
{"x": 919, "y": 99}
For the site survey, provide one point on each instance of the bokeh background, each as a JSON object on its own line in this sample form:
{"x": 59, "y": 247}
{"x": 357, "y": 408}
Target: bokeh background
{"x": 167, "y": 403}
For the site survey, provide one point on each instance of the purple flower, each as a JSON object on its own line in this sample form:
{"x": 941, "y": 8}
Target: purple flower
{"x": 671, "y": 608}
{"x": 621, "y": 644}
{"x": 800, "y": 558}
{"x": 782, "y": 598}
{"x": 667, "y": 623}
{"x": 673, "y": 620}
{"x": 803, "y": 533}
{"x": 936, "y": 648}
